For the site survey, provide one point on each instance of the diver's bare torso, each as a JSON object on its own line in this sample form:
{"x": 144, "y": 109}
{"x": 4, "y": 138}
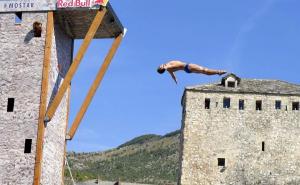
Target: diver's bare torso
{"x": 174, "y": 65}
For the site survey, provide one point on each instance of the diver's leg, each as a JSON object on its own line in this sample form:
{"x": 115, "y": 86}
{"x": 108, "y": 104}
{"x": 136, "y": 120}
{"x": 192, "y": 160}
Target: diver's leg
{"x": 194, "y": 68}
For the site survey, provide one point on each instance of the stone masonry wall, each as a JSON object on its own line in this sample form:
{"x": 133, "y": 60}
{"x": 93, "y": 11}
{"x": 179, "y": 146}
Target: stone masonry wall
{"x": 237, "y": 136}
{"x": 21, "y": 62}
{"x": 54, "y": 141}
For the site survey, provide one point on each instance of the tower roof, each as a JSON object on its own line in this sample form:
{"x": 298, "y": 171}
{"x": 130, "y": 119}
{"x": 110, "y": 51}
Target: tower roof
{"x": 251, "y": 86}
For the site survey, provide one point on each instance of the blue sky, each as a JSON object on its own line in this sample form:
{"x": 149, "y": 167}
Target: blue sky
{"x": 252, "y": 38}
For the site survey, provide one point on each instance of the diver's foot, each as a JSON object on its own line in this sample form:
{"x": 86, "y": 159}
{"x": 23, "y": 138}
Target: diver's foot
{"x": 221, "y": 72}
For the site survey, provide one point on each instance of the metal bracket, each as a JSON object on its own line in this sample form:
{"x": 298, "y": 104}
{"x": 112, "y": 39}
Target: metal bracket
{"x": 68, "y": 137}
{"x": 47, "y": 119}
{"x": 124, "y": 32}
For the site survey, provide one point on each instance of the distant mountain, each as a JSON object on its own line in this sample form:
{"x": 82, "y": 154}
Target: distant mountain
{"x": 141, "y": 140}
{"x": 149, "y": 159}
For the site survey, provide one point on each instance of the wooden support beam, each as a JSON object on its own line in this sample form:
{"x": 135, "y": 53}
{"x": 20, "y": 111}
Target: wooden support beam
{"x": 95, "y": 85}
{"x": 43, "y": 99}
{"x": 73, "y": 68}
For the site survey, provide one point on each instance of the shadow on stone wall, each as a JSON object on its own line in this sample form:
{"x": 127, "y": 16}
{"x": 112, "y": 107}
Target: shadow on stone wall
{"x": 28, "y": 37}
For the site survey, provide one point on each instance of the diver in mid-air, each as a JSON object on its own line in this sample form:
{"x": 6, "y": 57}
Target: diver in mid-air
{"x": 176, "y": 65}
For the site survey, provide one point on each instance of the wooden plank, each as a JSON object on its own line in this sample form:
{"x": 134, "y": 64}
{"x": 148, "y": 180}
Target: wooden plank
{"x": 84, "y": 46}
{"x": 43, "y": 99}
{"x": 95, "y": 85}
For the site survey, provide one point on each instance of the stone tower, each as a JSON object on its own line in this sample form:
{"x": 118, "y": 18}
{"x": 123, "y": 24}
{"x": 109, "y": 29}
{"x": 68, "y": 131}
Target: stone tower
{"x": 36, "y": 68}
{"x": 241, "y": 131}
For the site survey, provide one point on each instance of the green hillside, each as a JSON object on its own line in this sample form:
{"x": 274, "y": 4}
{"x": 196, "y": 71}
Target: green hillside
{"x": 150, "y": 159}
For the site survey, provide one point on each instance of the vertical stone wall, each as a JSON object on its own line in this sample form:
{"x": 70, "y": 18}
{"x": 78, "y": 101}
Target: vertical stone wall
{"x": 237, "y": 136}
{"x": 21, "y": 62}
{"x": 55, "y": 132}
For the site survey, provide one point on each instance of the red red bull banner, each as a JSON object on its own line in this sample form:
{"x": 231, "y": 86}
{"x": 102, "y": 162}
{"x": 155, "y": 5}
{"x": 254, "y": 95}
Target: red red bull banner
{"x": 80, "y": 3}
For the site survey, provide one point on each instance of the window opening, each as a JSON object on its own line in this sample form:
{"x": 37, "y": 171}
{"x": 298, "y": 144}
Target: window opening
{"x": 18, "y": 17}
{"x": 277, "y": 104}
{"x": 295, "y": 106}
{"x": 226, "y": 103}
{"x": 258, "y": 105}
{"x": 263, "y": 146}
{"x": 10, "y": 104}
{"x": 221, "y": 161}
{"x": 231, "y": 84}
{"x": 207, "y": 103}
{"x": 28, "y": 143}
{"x": 241, "y": 105}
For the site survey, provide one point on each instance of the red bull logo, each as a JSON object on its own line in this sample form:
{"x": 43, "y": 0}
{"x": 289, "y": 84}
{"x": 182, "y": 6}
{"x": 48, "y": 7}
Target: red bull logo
{"x": 80, "y": 3}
